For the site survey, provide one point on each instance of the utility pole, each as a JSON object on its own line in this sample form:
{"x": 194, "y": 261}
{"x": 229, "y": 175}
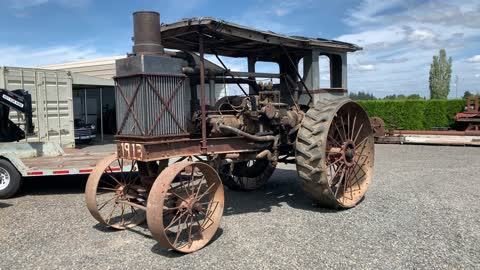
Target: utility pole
{"x": 456, "y": 86}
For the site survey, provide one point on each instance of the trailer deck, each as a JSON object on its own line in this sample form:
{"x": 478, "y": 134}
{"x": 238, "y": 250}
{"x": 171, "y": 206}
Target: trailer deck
{"x": 73, "y": 161}
{"x": 50, "y": 159}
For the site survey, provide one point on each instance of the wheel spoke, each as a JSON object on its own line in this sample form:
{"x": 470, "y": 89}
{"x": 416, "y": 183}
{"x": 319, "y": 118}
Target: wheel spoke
{"x": 130, "y": 173}
{"x": 336, "y": 161}
{"x": 105, "y": 188}
{"x": 199, "y": 186}
{"x": 358, "y": 133}
{"x": 103, "y": 204}
{"x": 111, "y": 213}
{"x": 206, "y": 192}
{"x": 122, "y": 214}
{"x": 335, "y": 141}
{"x": 340, "y": 182}
{"x": 107, "y": 183}
{"x": 179, "y": 230}
{"x": 180, "y": 197}
{"x": 363, "y": 141}
{"x": 175, "y": 220}
{"x": 353, "y": 126}
{"x": 348, "y": 126}
{"x": 111, "y": 176}
{"x": 336, "y": 172}
{"x": 344, "y": 131}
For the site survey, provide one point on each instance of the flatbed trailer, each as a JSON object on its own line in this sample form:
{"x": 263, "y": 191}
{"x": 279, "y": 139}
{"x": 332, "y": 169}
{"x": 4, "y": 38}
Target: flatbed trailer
{"x": 21, "y": 160}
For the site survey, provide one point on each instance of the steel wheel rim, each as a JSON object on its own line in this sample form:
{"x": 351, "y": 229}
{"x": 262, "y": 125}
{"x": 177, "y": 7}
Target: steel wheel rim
{"x": 183, "y": 214}
{"x": 106, "y": 198}
{"x": 349, "y": 154}
{"x": 4, "y": 179}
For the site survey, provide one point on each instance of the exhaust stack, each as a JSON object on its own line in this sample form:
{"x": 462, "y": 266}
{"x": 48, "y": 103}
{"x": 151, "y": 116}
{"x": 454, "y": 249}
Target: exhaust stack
{"x": 147, "y": 38}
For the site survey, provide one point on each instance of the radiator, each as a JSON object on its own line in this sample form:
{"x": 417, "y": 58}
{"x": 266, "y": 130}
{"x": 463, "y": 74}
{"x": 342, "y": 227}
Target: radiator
{"x": 151, "y": 104}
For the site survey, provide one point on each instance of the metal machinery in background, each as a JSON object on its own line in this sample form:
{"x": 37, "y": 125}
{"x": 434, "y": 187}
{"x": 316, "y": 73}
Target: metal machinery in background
{"x": 471, "y": 116}
{"x": 21, "y": 101}
{"x": 177, "y": 145}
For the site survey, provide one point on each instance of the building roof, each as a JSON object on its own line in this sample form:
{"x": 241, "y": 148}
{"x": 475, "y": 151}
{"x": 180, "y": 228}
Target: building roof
{"x": 99, "y": 67}
{"x": 230, "y": 39}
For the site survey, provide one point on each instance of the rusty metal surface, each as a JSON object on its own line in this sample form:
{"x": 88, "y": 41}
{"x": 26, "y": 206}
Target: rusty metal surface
{"x": 146, "y": 29}
{"x": 181, "y": 148}
{"x": 107, "y": 187}
{"x": 151, "y": 105}
{"x": 328, "y": 90}
{"x": 378, "y": 126}
{"x": 202, "y": 94}
{"x": 71, "y": 159}
{"x": 335, "y": 159}
{"x": 185, "y": 206}
{"x": 231, "y": 39}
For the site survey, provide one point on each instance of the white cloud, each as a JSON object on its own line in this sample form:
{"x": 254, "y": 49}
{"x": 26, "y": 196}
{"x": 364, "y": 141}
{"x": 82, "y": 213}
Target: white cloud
{"x": 421, "y": 35}
{"x": 474, "y": 59}
{"x": 280, "y": 12}
{"x": 31, "y": 57}
{"x": 271, "y": 16}
{"x": 399, "y": 39}
{"x": 368, "y": 11}
{"x": 363, "y": 67}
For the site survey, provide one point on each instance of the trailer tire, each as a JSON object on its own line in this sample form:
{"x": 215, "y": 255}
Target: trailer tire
{"x": 10, "y": 179}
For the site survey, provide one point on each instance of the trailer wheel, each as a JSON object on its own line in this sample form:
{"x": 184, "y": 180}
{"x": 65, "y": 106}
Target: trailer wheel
{"x": 10, "y": 179}
{"x": 335, "y": 152}
{"x": 246, "y": 175}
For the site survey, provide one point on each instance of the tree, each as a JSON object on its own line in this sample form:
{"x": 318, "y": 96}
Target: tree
{"x": 394, "y": 96}
{"x": 467, "y": 94}
{"x": 414, "y": 96}
{"x": 362, "y": 96}
{"x": 440, "y": 75}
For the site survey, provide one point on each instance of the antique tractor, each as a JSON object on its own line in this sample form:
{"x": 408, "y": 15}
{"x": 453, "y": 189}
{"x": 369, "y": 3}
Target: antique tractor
{"x": 181, "y": 137}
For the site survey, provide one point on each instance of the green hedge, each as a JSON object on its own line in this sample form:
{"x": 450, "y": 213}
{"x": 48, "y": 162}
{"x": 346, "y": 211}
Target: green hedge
{"x": 415, "y": 114}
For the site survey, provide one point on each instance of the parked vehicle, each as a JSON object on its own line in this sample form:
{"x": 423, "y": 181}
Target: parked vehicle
{"x": 84, "y": 133}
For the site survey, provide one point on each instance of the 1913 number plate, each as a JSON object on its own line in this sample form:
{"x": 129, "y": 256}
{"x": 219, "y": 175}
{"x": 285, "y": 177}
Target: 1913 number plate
{"x": 134, "y": 151}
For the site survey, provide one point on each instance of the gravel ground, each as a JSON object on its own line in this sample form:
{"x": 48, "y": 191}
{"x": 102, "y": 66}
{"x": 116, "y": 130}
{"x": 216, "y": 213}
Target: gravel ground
{"x": 422, "y": 211}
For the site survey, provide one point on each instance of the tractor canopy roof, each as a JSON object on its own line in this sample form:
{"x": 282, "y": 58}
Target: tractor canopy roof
{"x": 230, "y": 39}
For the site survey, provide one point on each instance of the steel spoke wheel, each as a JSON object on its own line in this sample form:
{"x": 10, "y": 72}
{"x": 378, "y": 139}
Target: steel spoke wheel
{"x": 185, "y": 206}
{"x": 114, "y": 194}
{"x": 335, "y": 153}
{"x": 349, "y": 155}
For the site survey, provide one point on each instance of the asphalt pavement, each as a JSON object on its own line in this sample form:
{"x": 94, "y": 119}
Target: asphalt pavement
{"x": 422, "y": 211}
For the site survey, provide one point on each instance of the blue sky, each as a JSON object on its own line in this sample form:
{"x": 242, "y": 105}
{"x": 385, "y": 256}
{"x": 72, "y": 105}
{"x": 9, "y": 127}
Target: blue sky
{"x": 399, "y": 37}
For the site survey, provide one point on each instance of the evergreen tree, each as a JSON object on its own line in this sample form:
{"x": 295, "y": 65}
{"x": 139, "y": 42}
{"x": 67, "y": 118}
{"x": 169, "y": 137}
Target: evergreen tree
{"x": 440, "y": 75}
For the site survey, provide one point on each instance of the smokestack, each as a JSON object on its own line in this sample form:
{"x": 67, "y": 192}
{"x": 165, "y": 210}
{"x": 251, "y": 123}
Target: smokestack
{"x": 146, "y": 33}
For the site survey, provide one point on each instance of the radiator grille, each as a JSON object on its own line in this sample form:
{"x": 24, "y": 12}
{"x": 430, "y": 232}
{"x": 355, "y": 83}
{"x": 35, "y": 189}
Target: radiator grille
{"x": 151, "y": 105}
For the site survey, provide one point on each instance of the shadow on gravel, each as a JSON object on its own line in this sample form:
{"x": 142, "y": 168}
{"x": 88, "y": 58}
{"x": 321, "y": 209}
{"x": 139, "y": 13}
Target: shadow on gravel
{"x": 51, "y": 185}
{"x": 5, "y": 205}
{"x": 282, "y": 188}
{"x": 160, "y": 250}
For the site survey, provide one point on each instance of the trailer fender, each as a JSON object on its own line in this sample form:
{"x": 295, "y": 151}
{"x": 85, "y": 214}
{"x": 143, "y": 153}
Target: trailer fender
{"x": 16, "y": 162}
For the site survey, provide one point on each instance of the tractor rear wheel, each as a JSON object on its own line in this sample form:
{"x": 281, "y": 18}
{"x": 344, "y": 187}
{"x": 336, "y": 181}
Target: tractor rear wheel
{"x": 335, "y": 153}
{"x": 246, "y": 175}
